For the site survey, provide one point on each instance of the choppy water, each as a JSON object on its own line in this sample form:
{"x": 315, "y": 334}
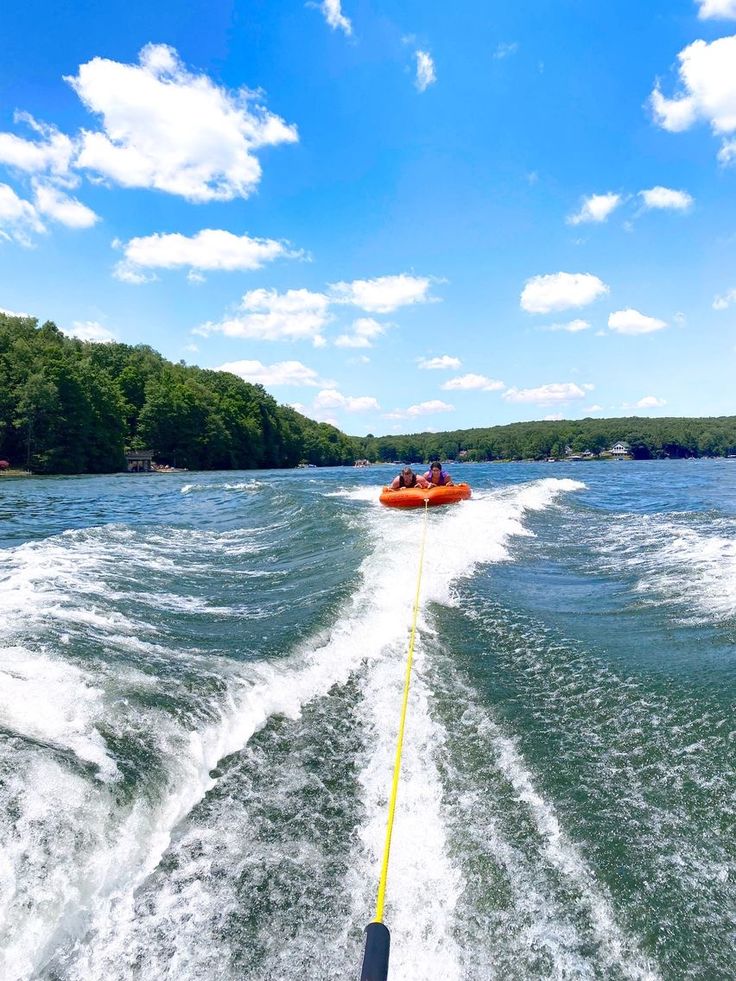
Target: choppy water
{"x": 199, "y": 686}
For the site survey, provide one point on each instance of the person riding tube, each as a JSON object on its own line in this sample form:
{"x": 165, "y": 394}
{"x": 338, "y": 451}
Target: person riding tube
{"x": 437, "y": 477}
{"x": 407, "y": 478}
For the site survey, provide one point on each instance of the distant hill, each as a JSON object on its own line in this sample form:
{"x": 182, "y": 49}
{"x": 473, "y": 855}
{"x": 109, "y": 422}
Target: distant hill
{"x": 70, "y": 406}
{"x": 647, "y": 438}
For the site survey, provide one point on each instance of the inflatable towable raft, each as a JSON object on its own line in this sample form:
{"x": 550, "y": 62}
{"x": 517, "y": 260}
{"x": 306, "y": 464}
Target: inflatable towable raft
{"x": 414, "y": 497}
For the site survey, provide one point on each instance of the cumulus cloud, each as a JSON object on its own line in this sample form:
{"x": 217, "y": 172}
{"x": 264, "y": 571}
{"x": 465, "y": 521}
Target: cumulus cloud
{"x": 708, "y": 92}
{"x": 571, "y": 327}
{"x": 365, "y": 331}
{"x": 51, "y": 153}
{"x": 384, "y": 294}
{"x": 630, "y": 321}
{"x": 426, "y": 74}
{"x": 166, "y": 128}
{"x": 331, "y": 398}
{"x": 561, "y": 291}
{"x": 650, "y": 402}
{"x": 725, "y": 300}
{"x": 427, "y": 408}
{"x": 21, "y": 219}
{"x": 92, "y": 331}
{"x": 471, "y": 382}
{"x": 709, "y": 9}
{"x": 443, "y": 361}
{"x": 666, "y": 197}
{"x": 281, "y": 373}
{"x": 18, "y": 217}
{"x": 595, "y": 208}
{"x": 55, "y": 204}
{"x": 332, "y": 13}
{"x": 268, "y": 315}
{"x": 547, "y": 394}
{"x": 210, "y": 249}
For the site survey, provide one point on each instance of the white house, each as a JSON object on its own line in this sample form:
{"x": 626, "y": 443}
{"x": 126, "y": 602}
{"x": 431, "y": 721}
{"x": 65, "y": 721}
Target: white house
{"x": 620, "y": 449}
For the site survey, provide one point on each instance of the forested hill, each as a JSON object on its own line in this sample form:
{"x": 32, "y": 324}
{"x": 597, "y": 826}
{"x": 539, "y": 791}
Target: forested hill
{"x": 647, "y": 438}
{"x": 69, "y": 406}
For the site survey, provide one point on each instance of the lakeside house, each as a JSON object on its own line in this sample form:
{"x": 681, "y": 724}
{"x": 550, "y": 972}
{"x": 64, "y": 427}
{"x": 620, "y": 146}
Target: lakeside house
{"x": 139, "y": 461}
{"x": 620, "y": 449}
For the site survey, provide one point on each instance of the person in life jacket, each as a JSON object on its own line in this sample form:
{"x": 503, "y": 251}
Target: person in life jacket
{"x": 407, "y": 478}
{"x": 437, "y": 477}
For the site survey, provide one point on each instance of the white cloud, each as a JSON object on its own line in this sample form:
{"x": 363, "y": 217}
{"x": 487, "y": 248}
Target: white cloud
{"x": 331, "y": 398}
{"x": 91, "y": 330}
{"x": 365, "y": 330}
{"x": 13, "y": 313}
{"x": 18, "y": 218}
{"x": 630, "y": 321}
{"x": 665, "y": 197}
{"x": 593, "y": 408}
{"x": 60, "y": 207}
{"x": 332, "y": 13}
{"x": 52, "y": 153}
{"x": 708, "y": 76}
{"x": 281, "y": 373}
{"x": 210, "y": 249}
{"x": 650, "y": 402}
{"x": 427, "y": 408}
{"x": 727, "y": 153}
{"x": 725, "y": 300}
{"x": 555, "y": 417}
{"x": 384, "y": 294}
{"x": 547, "y": 394}
{"x": 426, "y": 74}
{"x": 560, "y": 291}
{"x": 472, "y": 382}
{"x": 572, "y": 326}
{"x": 168, "y": 129}
{"x": 443, "y": 361}
{"x": 267, "y": 315}
{"x": 504, "y": 49}
{"x": 725, "y": 9}
{"x": 597, "y": 208}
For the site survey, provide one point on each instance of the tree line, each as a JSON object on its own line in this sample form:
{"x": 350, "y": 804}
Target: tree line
{"x": 70, "y": 406}
{"x": 660, "y": 438}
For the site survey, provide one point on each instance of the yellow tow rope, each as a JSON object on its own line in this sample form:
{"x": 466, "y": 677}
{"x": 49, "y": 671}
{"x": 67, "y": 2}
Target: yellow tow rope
{"x": 400, "y": 739}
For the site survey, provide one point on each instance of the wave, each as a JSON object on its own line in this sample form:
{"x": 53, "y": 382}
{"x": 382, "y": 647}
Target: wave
{"x": 244, "y": 485}
{"x": 105, "y": 850}
{"x": 676, "y": 562}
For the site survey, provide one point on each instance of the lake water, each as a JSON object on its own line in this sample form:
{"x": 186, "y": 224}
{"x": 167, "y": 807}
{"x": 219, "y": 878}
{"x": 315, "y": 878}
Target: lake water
{"x": 200, "y": 681}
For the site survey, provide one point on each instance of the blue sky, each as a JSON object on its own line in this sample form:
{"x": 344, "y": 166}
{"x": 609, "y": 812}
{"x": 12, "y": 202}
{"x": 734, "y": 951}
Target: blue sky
{"x": 397, "y": 217}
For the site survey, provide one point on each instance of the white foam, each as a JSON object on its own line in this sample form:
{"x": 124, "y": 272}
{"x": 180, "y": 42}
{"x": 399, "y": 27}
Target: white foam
{"x": 369, "y": 494}
{"x": 676, "y": 563}
{"x": 53, "y": 701}
{"x": 541, "y": 909}
{"x": 618, "y": 949}
{"x": 247, "y": 485}
{"x": 372, "y": 629}
{"x": 423, "y": 884}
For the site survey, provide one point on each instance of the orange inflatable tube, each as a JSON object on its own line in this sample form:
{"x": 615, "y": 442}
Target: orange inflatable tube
{"x": 414, "y": 497}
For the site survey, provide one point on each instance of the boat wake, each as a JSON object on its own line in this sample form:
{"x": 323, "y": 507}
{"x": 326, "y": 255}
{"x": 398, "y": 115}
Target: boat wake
{"x": 158, "y": 820}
